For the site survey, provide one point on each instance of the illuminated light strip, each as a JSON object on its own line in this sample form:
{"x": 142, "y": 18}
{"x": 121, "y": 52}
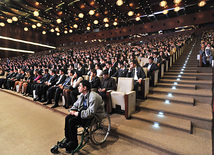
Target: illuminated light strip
{"x": 26, "y": 42}
{"x": 15, "y": 50}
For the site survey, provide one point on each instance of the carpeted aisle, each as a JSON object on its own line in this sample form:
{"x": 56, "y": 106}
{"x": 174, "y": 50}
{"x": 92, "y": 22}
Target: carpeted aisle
{"x": 26, "y": 128}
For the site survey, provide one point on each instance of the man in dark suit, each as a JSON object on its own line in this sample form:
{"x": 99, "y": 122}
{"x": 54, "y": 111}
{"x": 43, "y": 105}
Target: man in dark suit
{"x": 51, "y": 90}
{"x": 106, "y": 84}
{"x": 42, "y": 89}
{"x": 121, "y": 72}
{"x": 150, "y": 68}
{"x": 13, "y": 76}
{"x": 3, "y": 80}
{"x": 41, "y": 82}
{"x": 111, "y": 70}
{"x": 94, "y": 80}
{"x": 157, "y": 59}
{"x": 61, "y": 87}
{"x": 137, "y": 73}
{"x": 81, "y": 69}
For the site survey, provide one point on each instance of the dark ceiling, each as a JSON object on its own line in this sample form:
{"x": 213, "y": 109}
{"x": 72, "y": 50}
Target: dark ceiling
{"x": 68, "y": 11}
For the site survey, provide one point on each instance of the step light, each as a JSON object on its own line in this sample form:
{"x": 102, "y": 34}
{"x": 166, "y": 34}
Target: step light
{"x": 160, "y": 114}
{"x": 175, "y": 83}
{"x": 156, "y": 125}
{"x": 167, "y": 102}
{"x": 179, "y": 75}
{"x": 173, "y": 87}
{"x": 178, "y": 79}
{"x": 170, "y": 95}
{"x": 182, "y": 69}
{"x": 181, "y": 72}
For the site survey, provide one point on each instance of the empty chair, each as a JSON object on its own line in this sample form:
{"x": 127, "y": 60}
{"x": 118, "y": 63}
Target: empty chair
{"x": 124, "y": 96}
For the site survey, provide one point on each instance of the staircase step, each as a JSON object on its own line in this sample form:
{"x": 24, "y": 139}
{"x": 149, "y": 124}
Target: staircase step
{"x": 202, "y": 112}
{"x": 186, "y": 86}
{"x": 177, "y": 99}
{"x": 185, "y": 71}
{"x": 164, "y": 140}
{"x": 207, "y": 82}
{"x": 197, "y": 92}
{"x": 187, "y": 74}
{"x": 183, "y": 77}
{"x": 180, "y": 124}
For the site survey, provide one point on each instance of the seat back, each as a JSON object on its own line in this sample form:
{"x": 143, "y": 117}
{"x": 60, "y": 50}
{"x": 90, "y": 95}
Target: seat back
{"x": 125, "y": 84}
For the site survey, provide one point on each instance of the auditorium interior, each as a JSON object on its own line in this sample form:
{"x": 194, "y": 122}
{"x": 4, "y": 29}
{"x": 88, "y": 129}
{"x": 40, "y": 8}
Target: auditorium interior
{"x": 150, "y": 61}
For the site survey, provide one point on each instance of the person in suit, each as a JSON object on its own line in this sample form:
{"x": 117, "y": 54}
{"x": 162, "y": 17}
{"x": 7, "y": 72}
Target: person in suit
{"x": 7, "y": 82}
{"x": 81, "y": 69}
{"x": 157, "y": 59}
{"x": 94, "y": 80}
{"x": 42, "y": 89}
{"x": 121, "y": 72}
{"x": 111, "y": 70}
{"x": 3, "y": 80}
{"x": 207, "y": 55}
{"x": 51, "y": 90}
{"x": 150, "y": 68}
{"x": 107, "y": 83}
{"x": 60, "y": 89}
{"x": 20, "y": 78}
{"x": 136, "y": 72}
{"x": 88, "y": 105}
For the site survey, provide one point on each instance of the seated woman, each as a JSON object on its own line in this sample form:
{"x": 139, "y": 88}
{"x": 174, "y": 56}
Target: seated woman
{"x": 27, "y": 79}
{"x": 71, "y": 93}
{"x": 37, "y": 76}
{"x": 19, "y": 80}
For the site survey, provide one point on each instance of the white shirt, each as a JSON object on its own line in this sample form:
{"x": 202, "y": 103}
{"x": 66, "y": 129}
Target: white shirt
{"x": 149, "y": 66}
{"x": 59, "y": 79}
{"x": 135, "y": 74}
{"x": 99, "y": 72}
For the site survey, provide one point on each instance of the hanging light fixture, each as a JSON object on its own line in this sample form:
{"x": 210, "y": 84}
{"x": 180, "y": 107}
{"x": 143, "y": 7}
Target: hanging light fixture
{"x": 91, "y": 12}
{"x": 119, "y": 2}
{"x": 115, "y": 23}
{"x": 88, "y": 28}
{"x": 58, "y": 33}
{"x": 9, "y": 20}
{"x": 25, "y": 29}
{"x": 65, "y": 31}
{"x": 59, "y": 21}
{"x": 177, "y": 8}
{"x": 137, "y": 18}
{"x": 81, "y": 15}
{"x": 33, "y": 26}
{"x": 57, "y": 29}
{"x": 36, "y": 13}
{"x": 38, "y": 24}
{"x": 43, "y": 32}
{"x": 130, "y": 13}
{"x": 177, "y": 1}
{"x": 75, "y": 26}
{"x": 165, "y": 11}
{"x": 105, "y": 20}
{"x": 201, "y": 3}
{"x": 15, "y": 19}
{"x": 96, "y": 22}
{"x": 106, "y": 25}
{"x": 2, "y": 24}
{"x": 52, "y": 30}
{"x": 163, "y": 3}
{"x": 70, "y": 31}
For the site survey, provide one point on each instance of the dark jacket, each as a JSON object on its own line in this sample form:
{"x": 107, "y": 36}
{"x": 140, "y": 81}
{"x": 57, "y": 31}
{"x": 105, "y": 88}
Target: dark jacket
{"x": 108, "y": 84}
{"x": 140, "y": 73}
{"x": 112, "y": 70}
{"x": 120, "y": 73}
{"x": 61, "y": 80}
{"x": 45, "y": 78}
{"x": 95, "y": 82}
{"x": 53, "y": 79}
{"x": 154, "y": 67}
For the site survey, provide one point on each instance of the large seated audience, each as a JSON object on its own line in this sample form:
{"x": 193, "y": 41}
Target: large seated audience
{"x": 207, "y": 47}
{"x": 46, "y": 76}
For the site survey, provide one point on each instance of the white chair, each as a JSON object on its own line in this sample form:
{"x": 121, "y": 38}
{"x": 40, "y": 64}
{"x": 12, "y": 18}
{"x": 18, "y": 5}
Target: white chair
{"x": 124, "y": 96}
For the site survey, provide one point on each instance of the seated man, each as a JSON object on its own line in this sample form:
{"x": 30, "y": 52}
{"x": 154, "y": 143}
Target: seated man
{"x": 106, "y": 84}
{"x": 51, "y": 90}
{"x": 88, "y": 104}
{"x": 150, "y": 68}
{"x": 94, "y": 80}
{"x": 137, "y": 73}
{"x": 207, "y": 55}
{"x": 121, "y": 72}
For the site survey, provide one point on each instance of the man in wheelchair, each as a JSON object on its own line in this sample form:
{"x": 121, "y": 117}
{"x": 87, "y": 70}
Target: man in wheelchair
{"x": 88, "y": 104}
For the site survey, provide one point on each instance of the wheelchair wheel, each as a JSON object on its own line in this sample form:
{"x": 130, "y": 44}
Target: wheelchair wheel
{"x": 99, "y": 131}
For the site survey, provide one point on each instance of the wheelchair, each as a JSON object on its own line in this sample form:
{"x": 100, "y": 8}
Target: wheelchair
{"x": 95, "y": 130}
